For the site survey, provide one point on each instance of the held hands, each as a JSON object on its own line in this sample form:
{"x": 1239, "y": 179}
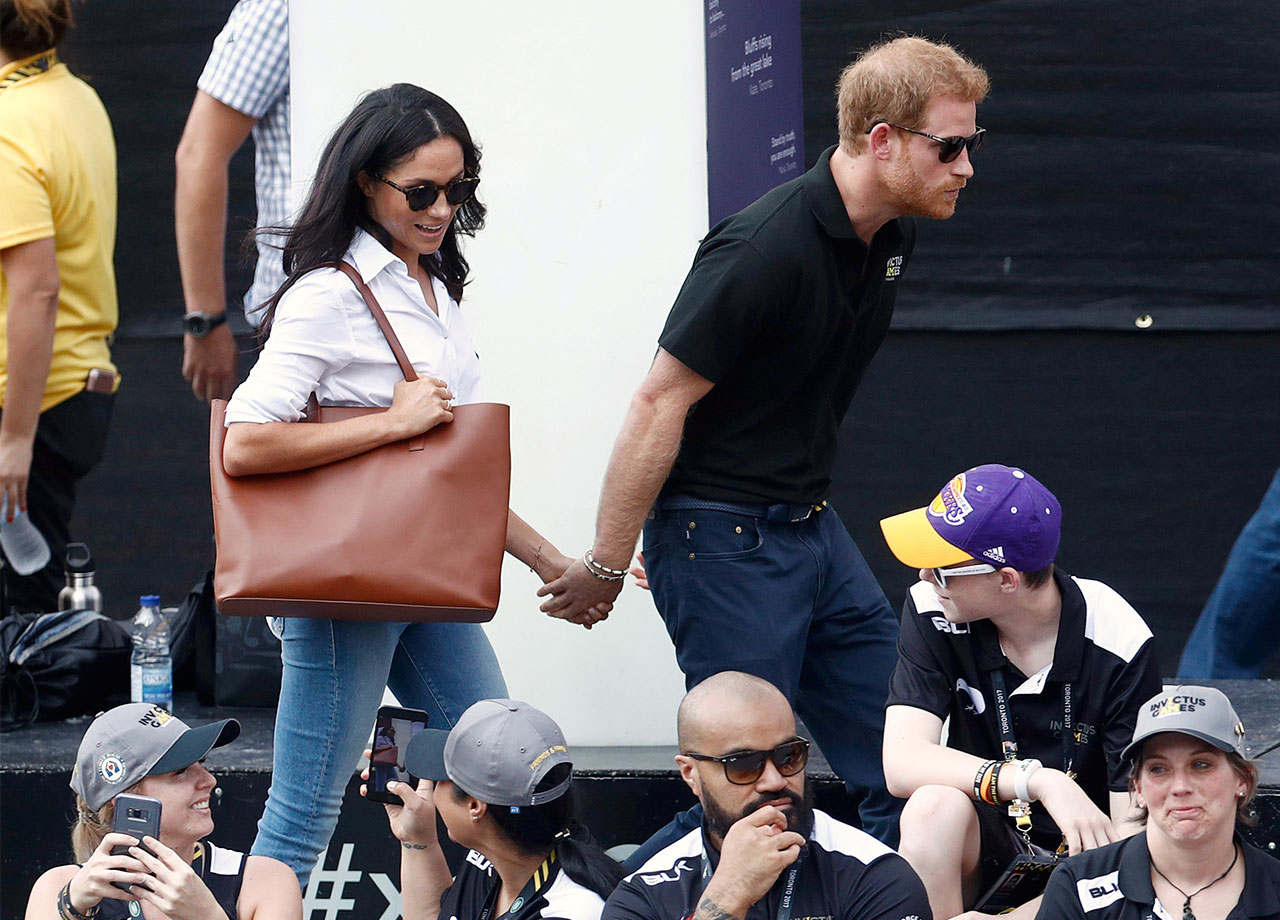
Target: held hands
{"x": 552, "y": 568}
{"x": 414, "y": 822}
{"x": 210, "y": 363}
{"x": 419, "y": 405}
{"x": 579, "y": 596}
{"x": 1082, "y": 823}
{"x": 752, "y": 856}
{"x": 173, "y": 885}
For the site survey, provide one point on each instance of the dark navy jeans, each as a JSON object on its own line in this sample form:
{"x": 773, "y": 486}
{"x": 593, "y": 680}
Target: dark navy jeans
{"x": 792, "y": 602}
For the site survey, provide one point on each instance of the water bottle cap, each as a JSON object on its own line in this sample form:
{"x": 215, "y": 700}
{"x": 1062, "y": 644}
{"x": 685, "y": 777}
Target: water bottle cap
{"x": 78, "y": 558}
{"x": 149, "y": 600}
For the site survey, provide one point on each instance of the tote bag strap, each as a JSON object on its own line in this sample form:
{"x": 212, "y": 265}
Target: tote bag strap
{"x": 381, "y": 318}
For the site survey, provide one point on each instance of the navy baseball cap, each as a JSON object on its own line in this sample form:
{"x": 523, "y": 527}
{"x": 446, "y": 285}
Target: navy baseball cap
{"x": 999, "y": 514}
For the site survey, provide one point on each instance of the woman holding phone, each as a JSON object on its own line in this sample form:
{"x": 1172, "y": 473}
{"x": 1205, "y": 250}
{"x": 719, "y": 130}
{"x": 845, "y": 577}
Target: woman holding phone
{"x": 145, "y": 751}
{"x": 503, "y": 787}
{"x": 394, "y": 194}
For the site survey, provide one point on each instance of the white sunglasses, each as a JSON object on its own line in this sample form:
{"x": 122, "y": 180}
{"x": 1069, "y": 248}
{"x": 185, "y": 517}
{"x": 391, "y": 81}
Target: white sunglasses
{"x": 980, "y": 568}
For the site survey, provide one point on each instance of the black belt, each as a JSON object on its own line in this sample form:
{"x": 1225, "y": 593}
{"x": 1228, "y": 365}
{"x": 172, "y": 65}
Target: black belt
{"x": 780, "y": 512}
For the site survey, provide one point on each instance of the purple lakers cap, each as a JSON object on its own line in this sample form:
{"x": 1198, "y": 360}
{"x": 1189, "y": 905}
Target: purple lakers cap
{"x": 999, "y": 514}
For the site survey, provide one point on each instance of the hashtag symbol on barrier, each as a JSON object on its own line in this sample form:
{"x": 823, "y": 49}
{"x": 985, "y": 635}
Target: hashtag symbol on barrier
{"x": 337, "y": 879}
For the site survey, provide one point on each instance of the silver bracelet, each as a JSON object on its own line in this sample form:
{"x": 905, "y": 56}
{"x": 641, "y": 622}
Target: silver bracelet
{"x": 601, "y": 567}
{"x": 599, "y": 571}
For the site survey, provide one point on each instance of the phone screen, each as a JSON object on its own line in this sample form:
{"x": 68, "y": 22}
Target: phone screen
{"x": 391, "y": 735}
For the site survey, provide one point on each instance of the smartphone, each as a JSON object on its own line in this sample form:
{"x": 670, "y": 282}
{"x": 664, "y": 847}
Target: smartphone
{"x": 138, "y": 816}
{"x": 391, "y": 735}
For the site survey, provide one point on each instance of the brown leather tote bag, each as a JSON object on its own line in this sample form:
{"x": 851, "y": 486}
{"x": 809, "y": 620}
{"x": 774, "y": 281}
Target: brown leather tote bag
{"x": 412, "y": 531}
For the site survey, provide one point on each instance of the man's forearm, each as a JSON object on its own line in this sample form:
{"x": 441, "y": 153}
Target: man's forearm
{"x": 32, "y": 320}
{"x": 641, "y": 459}
{"x": 200, "y": 220}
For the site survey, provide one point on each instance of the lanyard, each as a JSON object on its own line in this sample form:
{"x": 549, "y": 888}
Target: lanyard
{"x": 38, "y": 66}
{"x": 538, "y": 882}
{"x": 785, "y": 903}
{"x": 1009, "y": 744}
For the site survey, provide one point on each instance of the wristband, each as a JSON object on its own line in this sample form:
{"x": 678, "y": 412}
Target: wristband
{"x": 67, "y": 910}
{"x": 979, "y": 777}
{"x": 604, "y": 573}
{"x": 1020, "y": 779}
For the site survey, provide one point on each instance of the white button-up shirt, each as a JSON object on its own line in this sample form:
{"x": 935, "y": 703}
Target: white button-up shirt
{"x": 324, "y": 340}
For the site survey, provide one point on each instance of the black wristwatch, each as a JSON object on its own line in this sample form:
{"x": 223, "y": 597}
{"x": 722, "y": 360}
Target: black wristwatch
{"x": 198, "y": 325}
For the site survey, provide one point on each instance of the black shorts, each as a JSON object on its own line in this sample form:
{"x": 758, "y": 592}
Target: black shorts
{"x": 1001, "y": 844}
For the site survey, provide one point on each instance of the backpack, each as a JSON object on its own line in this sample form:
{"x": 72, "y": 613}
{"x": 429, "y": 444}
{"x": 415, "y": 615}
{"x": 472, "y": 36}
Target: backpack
{"x": 59, "y": 665}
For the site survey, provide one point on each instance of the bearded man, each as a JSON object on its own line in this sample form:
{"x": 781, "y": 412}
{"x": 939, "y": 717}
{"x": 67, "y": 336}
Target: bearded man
{"x": 762, "y": 851}
{"x": 729, "y": 442}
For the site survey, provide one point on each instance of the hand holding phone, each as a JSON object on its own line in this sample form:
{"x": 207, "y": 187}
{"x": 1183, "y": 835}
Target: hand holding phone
{"x": 138, "y": 816}
{"x": 391, "y": 735}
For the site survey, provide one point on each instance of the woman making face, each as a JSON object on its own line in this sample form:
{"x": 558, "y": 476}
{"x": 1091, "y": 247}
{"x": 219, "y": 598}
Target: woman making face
{"x": 143, "y": 750}
{"x": 1193, "y": 784}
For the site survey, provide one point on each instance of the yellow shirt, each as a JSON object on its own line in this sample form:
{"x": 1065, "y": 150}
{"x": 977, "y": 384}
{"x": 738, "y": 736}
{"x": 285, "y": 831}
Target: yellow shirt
{"x": 58, "y": 179}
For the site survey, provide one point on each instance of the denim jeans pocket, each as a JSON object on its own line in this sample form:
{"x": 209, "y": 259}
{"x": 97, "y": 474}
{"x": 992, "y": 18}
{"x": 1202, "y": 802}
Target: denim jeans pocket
{"x": 719, "y": 536}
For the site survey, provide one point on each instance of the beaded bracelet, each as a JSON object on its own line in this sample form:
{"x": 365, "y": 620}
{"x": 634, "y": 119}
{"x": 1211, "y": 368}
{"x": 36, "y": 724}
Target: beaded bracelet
{"x": 67, "y": 910}
{"x": 599, "y": 571}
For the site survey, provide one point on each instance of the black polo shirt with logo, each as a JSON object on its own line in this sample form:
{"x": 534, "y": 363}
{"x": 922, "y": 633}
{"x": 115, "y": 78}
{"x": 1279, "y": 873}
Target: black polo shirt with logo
{"x": 1114, "y": 883}
{"x": 783, "y": 310}
{"x": 549, "y": 895}
{"x": 844, "y": 874}
{"x": 1104, "y": 650}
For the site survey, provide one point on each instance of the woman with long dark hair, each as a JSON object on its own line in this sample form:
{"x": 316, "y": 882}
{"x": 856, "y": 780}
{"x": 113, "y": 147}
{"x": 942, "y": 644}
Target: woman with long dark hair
{"x": 1193, "y": 785}
{"x": 394, "y": 194}
{"x": 502, "y": 782}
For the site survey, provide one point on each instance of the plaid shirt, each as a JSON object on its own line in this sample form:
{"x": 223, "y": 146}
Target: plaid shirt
{"x": 248, "y": 70}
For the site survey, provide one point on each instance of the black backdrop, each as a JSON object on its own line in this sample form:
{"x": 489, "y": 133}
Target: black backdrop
{"x": 1127, "y": 173}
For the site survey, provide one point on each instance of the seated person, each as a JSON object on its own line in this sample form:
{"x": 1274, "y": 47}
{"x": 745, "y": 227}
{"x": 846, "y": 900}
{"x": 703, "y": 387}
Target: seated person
{"x": 1192, "y": 782}
{"x": 762, "y": 851}
{"x": 503, "y": 787}
{"x": 1040, "y": 673}
{"x": 142, "y": 749}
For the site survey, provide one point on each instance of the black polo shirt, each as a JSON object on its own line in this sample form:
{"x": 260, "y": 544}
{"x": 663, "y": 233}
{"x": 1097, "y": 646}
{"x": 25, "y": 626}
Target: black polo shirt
{"x": 1114, "y": 883}
{"x": 549, "y": 895}
{"x": 844, "y": 875}
{"x": 1104, "y": 650}
{"x": 783, "y": 310}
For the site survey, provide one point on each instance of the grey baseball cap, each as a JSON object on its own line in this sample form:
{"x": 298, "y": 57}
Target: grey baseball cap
{"x": 1202, "y": 712}
{"x": 135, "y": 740}
{"x": 499, "y": 751}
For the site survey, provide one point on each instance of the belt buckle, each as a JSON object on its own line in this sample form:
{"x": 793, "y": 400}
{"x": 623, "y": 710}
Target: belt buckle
{"x": 810, "y": 512}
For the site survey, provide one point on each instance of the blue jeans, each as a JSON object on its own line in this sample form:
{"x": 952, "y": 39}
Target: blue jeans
{"x": 790, "y": 601}
{"x": 1237, "y": 630}
{"x": 332, "y": 685}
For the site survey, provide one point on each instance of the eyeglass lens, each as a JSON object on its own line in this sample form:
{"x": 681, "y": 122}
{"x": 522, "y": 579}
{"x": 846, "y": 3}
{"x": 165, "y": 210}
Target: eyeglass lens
{"x": 789, "y": 758}
{"x": 421, "y": 197}
{"x": 950, "y": 147}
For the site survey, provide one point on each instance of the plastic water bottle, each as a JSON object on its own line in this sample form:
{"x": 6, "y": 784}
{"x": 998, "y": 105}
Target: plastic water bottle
{"x": 80, "y": 593}
{"x": 24, "y": 545}
{"x": 151, "y": 665}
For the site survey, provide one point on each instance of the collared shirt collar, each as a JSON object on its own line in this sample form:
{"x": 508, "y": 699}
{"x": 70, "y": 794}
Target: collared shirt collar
{"x": 1259, "y": 898}
{"x": 369, "y": 256}
{"x": 828, "y": 207}
{"x": 47, "y": 60}
{"x": 1068, "y": 651}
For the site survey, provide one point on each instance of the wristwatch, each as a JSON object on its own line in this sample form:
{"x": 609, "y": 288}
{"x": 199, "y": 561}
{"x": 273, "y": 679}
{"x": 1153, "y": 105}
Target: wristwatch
{"x": 198, "y": 325}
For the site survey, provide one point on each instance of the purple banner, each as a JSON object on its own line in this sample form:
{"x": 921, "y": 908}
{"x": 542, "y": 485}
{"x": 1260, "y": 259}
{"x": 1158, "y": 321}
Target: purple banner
{"x": 755, "y": 103}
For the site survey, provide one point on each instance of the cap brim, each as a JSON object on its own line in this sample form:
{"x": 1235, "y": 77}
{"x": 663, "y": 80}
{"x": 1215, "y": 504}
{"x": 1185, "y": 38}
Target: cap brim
{"x": 424, "y": 757}
{"x": 914, "y": 541}
{"x": 1130, "y": 753}
{"x": 194, "y": 744}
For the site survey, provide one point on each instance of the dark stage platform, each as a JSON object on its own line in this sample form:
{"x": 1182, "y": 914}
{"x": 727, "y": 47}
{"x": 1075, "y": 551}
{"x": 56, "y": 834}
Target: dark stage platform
{"x": 624, "y": 793}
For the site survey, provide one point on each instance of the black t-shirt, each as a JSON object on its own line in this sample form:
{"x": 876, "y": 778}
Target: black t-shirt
{"x": 1104, "y": 651}
{"x": 845, "y": 875}
{"x": 550, "y": 894}
{"x": 222, "y": 870}
{"x": 1114, "y": 883}
{"x": 783, "y": 310}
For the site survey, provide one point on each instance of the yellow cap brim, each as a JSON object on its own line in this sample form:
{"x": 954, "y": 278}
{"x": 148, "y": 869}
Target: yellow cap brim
{"x": 914, "y": 541}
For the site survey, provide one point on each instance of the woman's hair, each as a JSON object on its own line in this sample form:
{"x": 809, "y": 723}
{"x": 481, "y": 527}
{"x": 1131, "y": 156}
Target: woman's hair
{"x": 1247, "y": 770}
{"x": 539, "y": 828}
{"x": 386, "y": 126}
{"x": 90, "y": 827}
{"x": 28, "y": 27}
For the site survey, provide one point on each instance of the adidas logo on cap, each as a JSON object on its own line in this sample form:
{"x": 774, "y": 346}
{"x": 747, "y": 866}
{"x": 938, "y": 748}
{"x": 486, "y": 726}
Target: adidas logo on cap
{"x": 996, "y": 554}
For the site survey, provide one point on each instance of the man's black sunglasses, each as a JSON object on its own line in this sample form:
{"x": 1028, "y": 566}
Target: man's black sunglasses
{"x": 745, "y": 767}
{"x": 421, "y": 197}
{"x": 948, "y": 147}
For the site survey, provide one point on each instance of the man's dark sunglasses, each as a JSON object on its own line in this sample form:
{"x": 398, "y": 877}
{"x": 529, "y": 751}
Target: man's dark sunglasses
{"x": 745, "y": 767}
{"x": 421, "y": 197}
{"x": 948, "y": 147}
